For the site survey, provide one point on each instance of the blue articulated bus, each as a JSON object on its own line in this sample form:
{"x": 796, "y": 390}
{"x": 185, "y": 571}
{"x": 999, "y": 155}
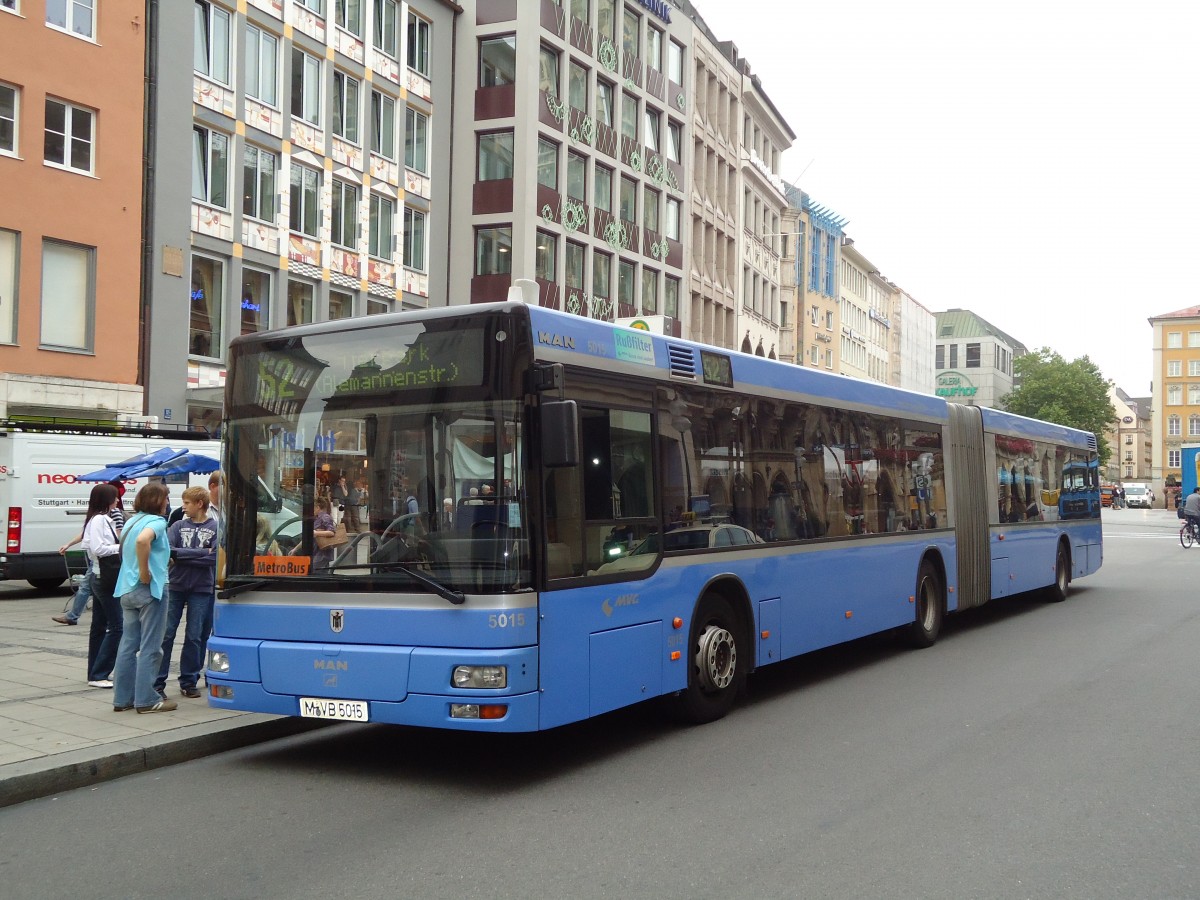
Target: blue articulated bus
{"x": 547, "y": 517}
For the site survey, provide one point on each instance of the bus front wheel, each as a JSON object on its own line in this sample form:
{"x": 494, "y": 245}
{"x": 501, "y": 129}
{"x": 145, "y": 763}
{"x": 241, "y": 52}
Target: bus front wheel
{"x": 1062, "y": 575}
{"x": 930, "y": 602}
{"x": 718, "y": 659}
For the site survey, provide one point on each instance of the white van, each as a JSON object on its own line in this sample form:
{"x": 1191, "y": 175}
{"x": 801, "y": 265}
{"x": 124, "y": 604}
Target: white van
{"x": 44, "y": 503}
{"x": 1138, "y": 495}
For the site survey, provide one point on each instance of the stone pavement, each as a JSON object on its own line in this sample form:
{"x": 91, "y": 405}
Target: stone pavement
{"x": 56, "y": 733}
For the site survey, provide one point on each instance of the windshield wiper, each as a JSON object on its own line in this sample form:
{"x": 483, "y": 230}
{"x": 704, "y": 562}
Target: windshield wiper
{"x": 236, "y": 589}
{"x": 456, "y": 597}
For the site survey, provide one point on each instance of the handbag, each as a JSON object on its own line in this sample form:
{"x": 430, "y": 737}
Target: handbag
{"x": 338, "y": 538}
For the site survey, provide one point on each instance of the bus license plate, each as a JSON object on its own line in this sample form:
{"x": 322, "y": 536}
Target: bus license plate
{"x": 342, "y": 710}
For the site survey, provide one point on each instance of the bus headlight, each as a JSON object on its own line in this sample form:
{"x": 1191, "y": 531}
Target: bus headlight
{"x": 218, "y": 661}
{"x": 468, "y": 677}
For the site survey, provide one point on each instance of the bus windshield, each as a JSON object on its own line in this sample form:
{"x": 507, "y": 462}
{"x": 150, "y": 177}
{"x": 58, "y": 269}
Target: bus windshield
{"x": 379, "y": 459}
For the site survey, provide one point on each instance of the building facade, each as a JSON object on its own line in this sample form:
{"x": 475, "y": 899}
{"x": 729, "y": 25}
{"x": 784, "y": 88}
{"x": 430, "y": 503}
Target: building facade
{"x": 296, "y": 175}
{"x": 1130, "y": 439}
{"x": 816, "y": 234}
{"x": 864, "y": 311}
{"x": 973, "y": 359}
{"x": 71, "y": 213}
{"x": 1175, "y": 400}
{"x": 913, "y": 330}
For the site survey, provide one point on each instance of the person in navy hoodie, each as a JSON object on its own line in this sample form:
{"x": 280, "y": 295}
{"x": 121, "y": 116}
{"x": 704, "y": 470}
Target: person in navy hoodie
{"x": 193, "y": 541}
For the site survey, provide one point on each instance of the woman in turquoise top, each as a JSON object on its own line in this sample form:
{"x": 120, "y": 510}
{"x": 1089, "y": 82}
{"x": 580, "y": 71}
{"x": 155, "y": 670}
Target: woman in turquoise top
{"x": 145, "y": 553}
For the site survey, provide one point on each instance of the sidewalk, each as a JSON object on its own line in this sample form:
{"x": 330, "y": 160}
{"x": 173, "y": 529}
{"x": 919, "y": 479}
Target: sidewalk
{"x": 56, "y": 733}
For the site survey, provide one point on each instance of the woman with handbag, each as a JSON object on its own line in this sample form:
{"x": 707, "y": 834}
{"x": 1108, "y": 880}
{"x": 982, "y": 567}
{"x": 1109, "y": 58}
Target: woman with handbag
{"x": 101, "y": 543}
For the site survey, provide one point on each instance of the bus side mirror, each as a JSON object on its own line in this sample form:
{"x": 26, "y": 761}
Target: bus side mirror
{"x": 560, "y": 434}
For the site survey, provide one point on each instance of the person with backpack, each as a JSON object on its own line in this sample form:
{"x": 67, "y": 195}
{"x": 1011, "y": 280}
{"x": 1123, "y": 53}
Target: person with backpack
{"x": 101, "y": 544}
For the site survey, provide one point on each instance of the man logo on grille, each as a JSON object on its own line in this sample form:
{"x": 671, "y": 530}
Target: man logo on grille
{"x": 337, "y": 620}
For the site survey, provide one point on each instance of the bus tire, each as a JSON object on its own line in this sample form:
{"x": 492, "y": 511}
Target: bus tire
{"x": 46, "y": 584}
{"x": 930, "y": 603}
{"x": 718, "y": 657}
{"x": 1057, "y": 592}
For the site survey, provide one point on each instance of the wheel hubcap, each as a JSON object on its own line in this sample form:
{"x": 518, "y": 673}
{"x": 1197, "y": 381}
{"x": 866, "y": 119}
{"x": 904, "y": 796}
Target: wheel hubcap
{"x": 716, "y": 658}
{"x": 925, "y": 599}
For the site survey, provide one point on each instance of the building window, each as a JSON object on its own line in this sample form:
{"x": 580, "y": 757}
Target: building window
{"x": 306, "y": 87}
{"x": 299, "y": 302}
{"x": 579, "y": 9}
{"x": 545, "y": 257}
{"x": 1174, "y": 340}
{"x": 305, "y": 213}
{"x": 418, "y": 45}
{"x": 973, "y": 353}
{"x": 628, "y": 208}
{"x": 207, "y": 305}
{"x": 602, "y": 189}
{"x": 604, "y": 102}
{"x": 1193, "y": 368}
{"x": 675, "y": 62}
{"x": 652, "y": 124}
{"x": 256, "y": 300}
{"x": 577, "y": 79}
{"x": 70, "y": 131}
{"x": 414, "y": 239}
{"x": 602, "y": 274}
{"x": 495, "y": 157}
{"x": 650, "y": 198}
{"x": 1193, "y": 426}
{"x": 345, "y": 106}
{"x": 1194, "y": 338}
{"x": 416, "y": 141}
{"x": 649, "y": 292}
{"x": 498, "y": 61}
{"x": 829, "y": 320}
{"x": 626, "y": 282}
{"x": 954, "y": 356}
{"x": 1174, "y": 458}
{"x": 548, "y": 72}
{"x": 1175, "y": 395}
{"x": 262, "y": 66}
{"x": 76, "y": 16}
{"x": 829, "y": 359}
{"x": 547, "y": 171}
{"x": 576, "y": 254}
{"x": 8, "y": 118}
{"x": 606, "y": 20}
{"x": 384, "y": 31}
{"x": 10, "y": 5}
{"x": 210, "y": 43}
{"x": 377, "y": 306}
{"x": 493, "y": 251}
{"x": 348, "y": 16}
{"x": 316, "y": 6}
{"x": 674, "y": 142}
{"x": 1194, "y": 395}
{"x": 577, "y": 177}
{"x": 630, "y": 26}
{"x": 344, "y": 232}
{"x": 258, "y": 183}
{"x": 654, "y": 48}
{"x": 1174, "y": 368}
{"x": 341, "y": 305}
{"x": 380, "y": 227}
{"x": 629, "y": 116}
{"x": 671, "y": 297}
{"x": 10, "y": 252}
{"x": 69, "y": 295}
{"x": 383, "y": 125}
{"x": 672, "y": 223}
{"x": 210, "y": 167}
{"x": 1173, "y": 426}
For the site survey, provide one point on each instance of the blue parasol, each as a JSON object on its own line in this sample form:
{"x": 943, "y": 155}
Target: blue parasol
{"x": 186, "y": 464}
{"x": 131, "y": 468}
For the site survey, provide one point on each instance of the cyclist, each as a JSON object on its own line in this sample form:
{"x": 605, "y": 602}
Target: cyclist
{"x": 1191, "y": 510}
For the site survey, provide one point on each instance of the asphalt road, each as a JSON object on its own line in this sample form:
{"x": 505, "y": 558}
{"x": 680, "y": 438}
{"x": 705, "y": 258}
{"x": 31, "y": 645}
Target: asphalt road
{"x": 1039, "y": 750}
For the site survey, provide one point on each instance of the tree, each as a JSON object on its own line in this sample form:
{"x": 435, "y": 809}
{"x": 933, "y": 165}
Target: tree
{"x": 1074, "y": 394}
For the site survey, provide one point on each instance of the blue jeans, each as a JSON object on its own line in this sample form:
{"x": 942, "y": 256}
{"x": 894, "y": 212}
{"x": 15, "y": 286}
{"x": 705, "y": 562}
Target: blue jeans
{"x": 79, "y": 601}
{"x": 140, "y": 653}
{"x": 199, "y": 606}
{"x": 105, "y": 634}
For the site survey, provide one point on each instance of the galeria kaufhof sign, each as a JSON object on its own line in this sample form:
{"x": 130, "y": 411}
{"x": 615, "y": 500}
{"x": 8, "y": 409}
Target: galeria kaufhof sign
{"x": 955, "y": 384}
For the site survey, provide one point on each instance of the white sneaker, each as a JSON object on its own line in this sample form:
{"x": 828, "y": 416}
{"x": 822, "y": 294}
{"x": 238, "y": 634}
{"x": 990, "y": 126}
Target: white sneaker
{"x": 103, "y": 683}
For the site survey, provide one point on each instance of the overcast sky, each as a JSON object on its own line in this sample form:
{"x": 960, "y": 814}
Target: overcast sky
{"x": 1034, "y": 161}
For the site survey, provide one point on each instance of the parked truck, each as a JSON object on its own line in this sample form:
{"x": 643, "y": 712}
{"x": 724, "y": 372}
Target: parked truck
{"x": 45, "y": 502}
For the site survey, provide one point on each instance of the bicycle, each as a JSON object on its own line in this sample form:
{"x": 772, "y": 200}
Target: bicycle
{"x": 1189, "y": 534}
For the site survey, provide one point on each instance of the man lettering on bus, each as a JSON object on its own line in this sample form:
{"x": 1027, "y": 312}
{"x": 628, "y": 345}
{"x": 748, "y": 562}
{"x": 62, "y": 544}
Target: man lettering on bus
{"x": 1191, "y": 508}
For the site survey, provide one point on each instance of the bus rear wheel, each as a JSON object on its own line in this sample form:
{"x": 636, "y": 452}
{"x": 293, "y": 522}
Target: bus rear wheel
{"x": 1062, "y": 576}
{"x": 930, "y": 602}
{"x": 717, "y": 662}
